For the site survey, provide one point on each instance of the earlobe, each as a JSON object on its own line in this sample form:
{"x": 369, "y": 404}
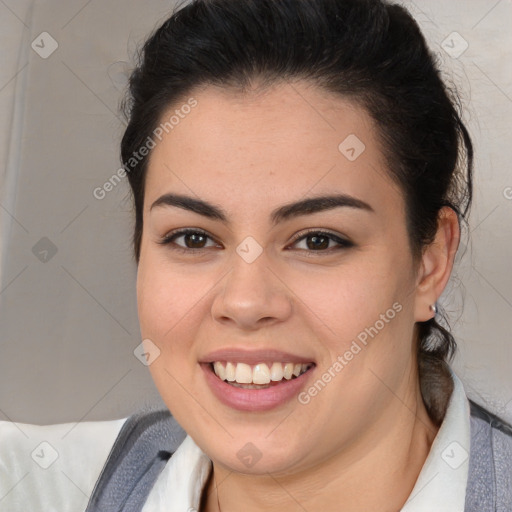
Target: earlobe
{"x": 436, "y": 265}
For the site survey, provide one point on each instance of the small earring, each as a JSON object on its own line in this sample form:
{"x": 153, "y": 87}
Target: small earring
{"x": 433, "y": 307}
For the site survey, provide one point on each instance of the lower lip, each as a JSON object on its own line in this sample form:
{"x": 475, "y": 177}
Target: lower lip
{"x": 254, "y": 399}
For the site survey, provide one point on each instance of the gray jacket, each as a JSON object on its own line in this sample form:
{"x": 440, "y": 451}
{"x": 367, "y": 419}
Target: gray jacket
{"x": 147, "y": 440}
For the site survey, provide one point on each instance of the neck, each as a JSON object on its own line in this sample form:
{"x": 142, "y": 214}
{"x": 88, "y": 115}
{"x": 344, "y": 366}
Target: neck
{"x": 377, "y": 475}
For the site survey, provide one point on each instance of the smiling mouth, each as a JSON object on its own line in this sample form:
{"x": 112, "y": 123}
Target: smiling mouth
{"x": 259, "y": 376}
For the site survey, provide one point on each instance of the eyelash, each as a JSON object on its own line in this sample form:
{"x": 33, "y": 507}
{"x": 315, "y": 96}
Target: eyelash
{"x": 169, "y": 239}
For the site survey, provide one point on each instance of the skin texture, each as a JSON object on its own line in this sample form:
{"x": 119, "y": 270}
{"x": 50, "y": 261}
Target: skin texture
{"x": 361, "y": 442}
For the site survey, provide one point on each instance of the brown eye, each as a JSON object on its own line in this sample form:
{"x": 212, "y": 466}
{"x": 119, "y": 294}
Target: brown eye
{"x": 193, "y": 239}
{"x": 319, "y": 241}
{"x": 315, "y": 242}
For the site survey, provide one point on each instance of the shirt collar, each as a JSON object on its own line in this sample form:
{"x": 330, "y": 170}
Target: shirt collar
{"x": 441, "y": 484}
{"x": 180, "y": 484}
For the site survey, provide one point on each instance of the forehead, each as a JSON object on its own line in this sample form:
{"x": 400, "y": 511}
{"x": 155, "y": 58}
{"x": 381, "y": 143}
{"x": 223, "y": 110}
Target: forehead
{"x": 258, "y": 149}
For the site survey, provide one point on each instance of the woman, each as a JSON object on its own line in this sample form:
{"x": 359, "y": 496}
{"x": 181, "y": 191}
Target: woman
{"x": 299, "y": 173}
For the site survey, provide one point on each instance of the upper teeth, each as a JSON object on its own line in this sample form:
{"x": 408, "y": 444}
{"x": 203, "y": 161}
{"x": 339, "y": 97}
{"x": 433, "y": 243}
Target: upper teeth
{"x": 261, "y": 373}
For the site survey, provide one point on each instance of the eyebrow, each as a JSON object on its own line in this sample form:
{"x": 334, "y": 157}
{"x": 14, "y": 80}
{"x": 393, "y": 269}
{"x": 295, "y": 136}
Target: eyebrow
{"x": 285, "y": 212}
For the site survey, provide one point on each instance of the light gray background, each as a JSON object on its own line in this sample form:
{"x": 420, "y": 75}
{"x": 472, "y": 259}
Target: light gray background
{"x": 68, "y": 326}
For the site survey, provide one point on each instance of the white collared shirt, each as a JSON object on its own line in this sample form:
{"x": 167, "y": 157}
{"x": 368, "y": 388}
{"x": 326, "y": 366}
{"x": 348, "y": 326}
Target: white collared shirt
{"x": 440, "y": 487}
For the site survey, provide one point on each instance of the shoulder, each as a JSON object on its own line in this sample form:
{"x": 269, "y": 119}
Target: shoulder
{"x": 490, "y": 460}
{"x": 145, "y": 434}
{"x": 491, "y": 436}
{"x": 142, "y": 448}
{"x": 41, "y": 465}
{"x": 478, "y": 412}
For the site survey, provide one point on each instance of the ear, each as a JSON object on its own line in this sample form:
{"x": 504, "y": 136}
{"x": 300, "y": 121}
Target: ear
{"x": 436, "y": 264}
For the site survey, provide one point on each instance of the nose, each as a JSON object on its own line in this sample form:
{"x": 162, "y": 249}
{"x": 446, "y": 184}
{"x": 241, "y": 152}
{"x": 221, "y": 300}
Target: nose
{"x": 253, "y": 296}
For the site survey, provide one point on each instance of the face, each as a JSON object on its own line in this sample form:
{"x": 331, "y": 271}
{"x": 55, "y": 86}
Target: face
{"x": 333, "y": 286}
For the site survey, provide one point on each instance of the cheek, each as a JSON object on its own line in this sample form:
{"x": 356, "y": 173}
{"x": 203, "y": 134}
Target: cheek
{"x": 171, "y": 307}
{"x": 162, "y": 296}
{"x": 347, "y": 299}
{"x": 362, "y": 317}
{"x": 169, "y": 304}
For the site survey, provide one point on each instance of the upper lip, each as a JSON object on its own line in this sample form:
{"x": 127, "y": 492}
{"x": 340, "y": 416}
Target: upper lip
{"x": 253, "y": 356}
